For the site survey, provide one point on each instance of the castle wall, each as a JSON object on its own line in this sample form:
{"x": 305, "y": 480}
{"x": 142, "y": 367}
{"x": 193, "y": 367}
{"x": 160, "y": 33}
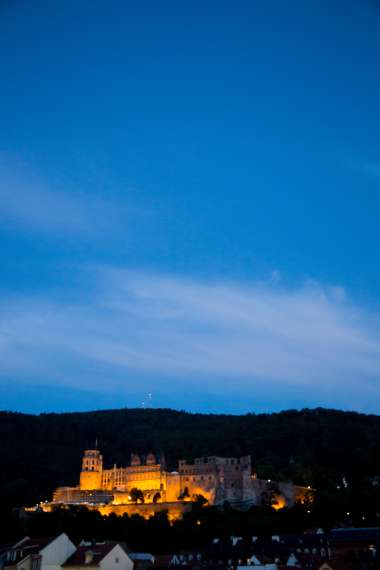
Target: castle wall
{"x": 90, "y": 480}
{"x": 72, "y": 495}
{"x": 172, "y": 487}
{"x": 200, "y": 483}
{"x": 175, "y": 509}
{"x": 144, "y": 477}
{"x": 218, "y": 479}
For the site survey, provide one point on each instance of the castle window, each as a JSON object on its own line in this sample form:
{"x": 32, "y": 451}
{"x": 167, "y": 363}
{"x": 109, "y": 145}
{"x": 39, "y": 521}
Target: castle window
{"x": 117, "y": 560}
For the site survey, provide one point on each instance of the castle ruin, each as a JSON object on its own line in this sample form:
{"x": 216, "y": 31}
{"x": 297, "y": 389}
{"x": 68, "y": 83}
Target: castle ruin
{"x": 216, "y": 479}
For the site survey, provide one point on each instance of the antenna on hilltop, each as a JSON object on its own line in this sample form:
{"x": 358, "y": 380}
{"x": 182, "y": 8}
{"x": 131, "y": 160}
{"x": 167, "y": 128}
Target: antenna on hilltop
{"x": 147, "y": 403}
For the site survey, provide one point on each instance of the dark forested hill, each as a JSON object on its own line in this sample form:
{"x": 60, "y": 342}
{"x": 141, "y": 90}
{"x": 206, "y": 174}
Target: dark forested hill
{"x": 316, "y": 447}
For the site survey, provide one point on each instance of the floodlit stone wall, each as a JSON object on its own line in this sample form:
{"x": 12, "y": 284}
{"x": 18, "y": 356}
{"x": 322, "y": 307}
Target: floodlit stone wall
{"x": 217, "y": 479}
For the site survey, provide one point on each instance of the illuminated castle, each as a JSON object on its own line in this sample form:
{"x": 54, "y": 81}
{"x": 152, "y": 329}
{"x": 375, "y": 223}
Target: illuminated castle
{"x": 217, "y": 479}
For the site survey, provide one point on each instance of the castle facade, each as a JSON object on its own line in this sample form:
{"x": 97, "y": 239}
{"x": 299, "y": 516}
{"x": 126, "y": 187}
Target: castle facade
{"x": 217, "y": 479}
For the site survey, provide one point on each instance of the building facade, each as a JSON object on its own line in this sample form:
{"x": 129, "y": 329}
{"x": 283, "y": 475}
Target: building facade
{"x": 217, "y": 479}
{"x": 38, "y": 554}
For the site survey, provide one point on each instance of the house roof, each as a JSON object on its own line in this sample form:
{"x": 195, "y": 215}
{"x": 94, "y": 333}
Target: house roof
{"x": 371, "y": 534}
{"x": 90, "y": 555}
{"x": 35, "y": 542}
{"x": 5, "y": 548}
{"x": 309, "y": 560}
{"x": 25, "y": 548}
{"x": 141, "y": 556}
{"x": 162, "y": 560}
{"x": 334, "y": 565}
{"x": 285, "y": 567}
{"x": 263, "y": 559}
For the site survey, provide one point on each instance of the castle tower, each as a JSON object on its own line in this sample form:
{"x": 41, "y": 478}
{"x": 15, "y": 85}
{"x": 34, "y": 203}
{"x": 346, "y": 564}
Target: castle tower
{"x": 92, "y": 467}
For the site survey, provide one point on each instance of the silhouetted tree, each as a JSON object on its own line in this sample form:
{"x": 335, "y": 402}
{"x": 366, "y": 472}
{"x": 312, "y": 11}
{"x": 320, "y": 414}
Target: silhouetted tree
{"x": 156, "y": 497}
{"x": 136, "y": 495}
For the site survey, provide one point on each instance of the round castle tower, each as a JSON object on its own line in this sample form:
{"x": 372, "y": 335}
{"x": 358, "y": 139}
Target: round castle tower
{"x": 92, "y": 467}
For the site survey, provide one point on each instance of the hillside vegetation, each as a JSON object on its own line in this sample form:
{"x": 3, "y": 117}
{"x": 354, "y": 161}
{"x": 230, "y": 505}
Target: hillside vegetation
{"x": 314, "y": 447}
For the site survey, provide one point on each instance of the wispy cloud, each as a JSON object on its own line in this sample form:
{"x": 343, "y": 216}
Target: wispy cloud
{"x": 236, "y": 336}
{"x": 34, "y": 204}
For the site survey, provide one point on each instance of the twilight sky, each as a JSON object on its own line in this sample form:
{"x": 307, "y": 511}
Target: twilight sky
{"x": 190, "y": 204}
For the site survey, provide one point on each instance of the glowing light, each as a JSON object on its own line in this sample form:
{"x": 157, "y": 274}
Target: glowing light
{"x": 279, "y": 504}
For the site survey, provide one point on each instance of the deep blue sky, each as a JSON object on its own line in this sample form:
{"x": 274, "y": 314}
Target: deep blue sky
{"x": 189, "y": 204}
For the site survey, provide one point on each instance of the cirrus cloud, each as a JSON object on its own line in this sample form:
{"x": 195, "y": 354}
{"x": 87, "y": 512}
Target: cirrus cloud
{"x": 239, "y": 337}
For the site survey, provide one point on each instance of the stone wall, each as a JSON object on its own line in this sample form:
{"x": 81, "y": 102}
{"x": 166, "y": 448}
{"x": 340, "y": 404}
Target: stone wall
{"x": 175, "y": 509}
